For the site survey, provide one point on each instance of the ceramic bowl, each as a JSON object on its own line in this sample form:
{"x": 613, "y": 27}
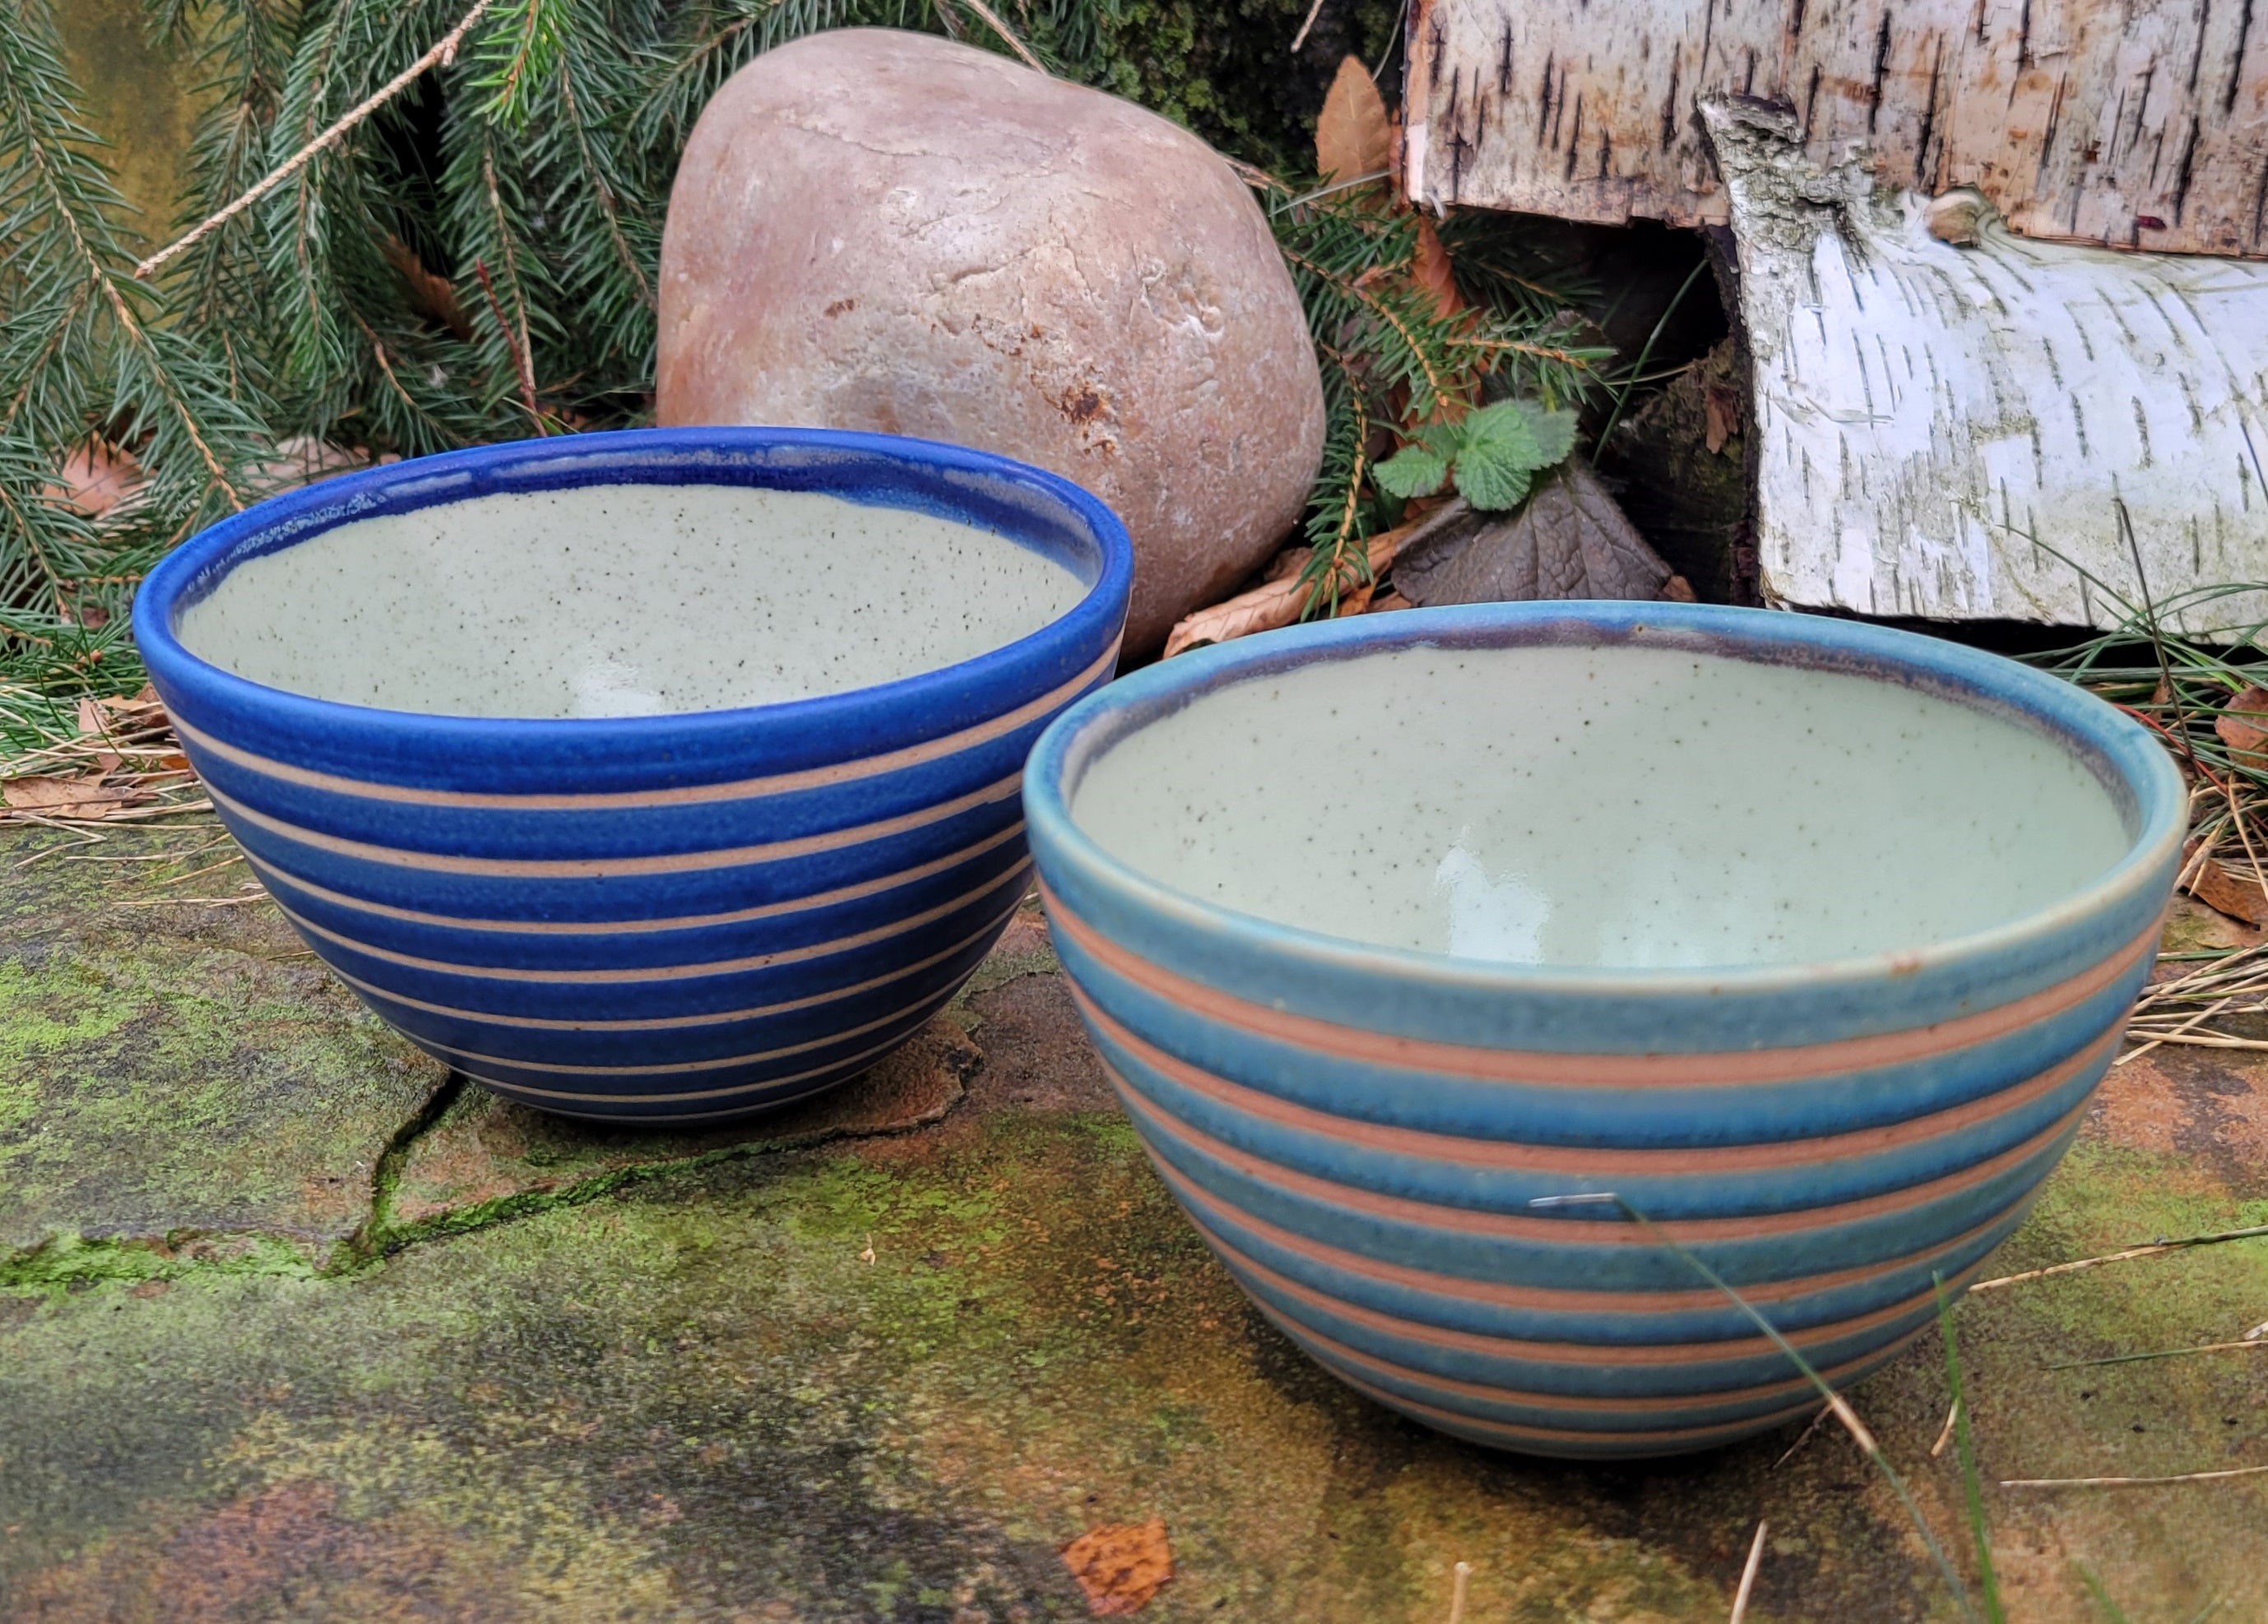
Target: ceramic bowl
{"x": 1807, "y": 940}
{"x": 656, "y": 776}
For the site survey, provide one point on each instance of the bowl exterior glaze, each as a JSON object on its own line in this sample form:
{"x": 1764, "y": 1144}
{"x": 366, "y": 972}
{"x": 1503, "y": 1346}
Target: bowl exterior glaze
{"x": 1360, "y": 1135}
{"x": 657, "y": 918}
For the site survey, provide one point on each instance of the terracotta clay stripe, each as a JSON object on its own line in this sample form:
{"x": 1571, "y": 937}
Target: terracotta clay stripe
{"x": 1630, "y": 1354}
{"x": 1577, "y": 1161}
{"x": 1592, "y": 1231}
{"x": 1582, "y": 1404}
{"x": 612, "y": 927}
{"x": 467, "y": 1061}
{"x": 660, "y": 1024}
{"x": 848, "y": 1062}
{"x": 691, "y": 794}
{"x": 1571, "y": 1069}
{"x": 664, "y": 972}
{"x": 1537, "y": 1299}
{"x": 1616, "y": 1441}
{"x": 615, "y": 867}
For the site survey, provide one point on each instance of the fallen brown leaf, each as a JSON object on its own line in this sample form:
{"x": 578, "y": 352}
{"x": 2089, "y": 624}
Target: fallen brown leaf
{"x": 1352, "y": 135}
{"x": 2247, "y": 740}
{"x": 2222, "y": 891}
{"x": 97, "y": 476}
{"x": 1430, "y": 269}
{"x": 1277, "y": 603}
{"x": 434, "y": 295}
{"x": 1120, "y": 1566}
{"x": 1569, "y": 540}
{"x": 60, "y": 797}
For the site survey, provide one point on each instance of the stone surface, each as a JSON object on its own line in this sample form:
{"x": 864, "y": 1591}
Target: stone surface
{"x": 484, "y": 1153}
{"x": 888, "y": 1378}
{"x": 886, "y": 231}
{"x": 178, "y": 1075}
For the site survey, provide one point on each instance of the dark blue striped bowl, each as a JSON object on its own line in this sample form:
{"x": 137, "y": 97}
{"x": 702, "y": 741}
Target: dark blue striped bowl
{"x": 1362, "y": 1133}
{"x": 653, "y": 918}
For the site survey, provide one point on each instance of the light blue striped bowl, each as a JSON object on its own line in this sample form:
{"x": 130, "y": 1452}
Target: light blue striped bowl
{"x": 652, "y": 919}
{"x": 1360, "y": 1133}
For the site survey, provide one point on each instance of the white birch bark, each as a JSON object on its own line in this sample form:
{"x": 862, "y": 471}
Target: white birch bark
{"x": 2136, "y": 123}
{"x": 1996, "y": 430}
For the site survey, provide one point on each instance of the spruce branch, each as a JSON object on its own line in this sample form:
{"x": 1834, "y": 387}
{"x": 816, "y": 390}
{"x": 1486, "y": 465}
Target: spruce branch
{"x": 443, "y": 50}
{"x": 94, "y": 364}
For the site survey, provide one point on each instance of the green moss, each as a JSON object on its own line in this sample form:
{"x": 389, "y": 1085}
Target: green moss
{"x": 68, "y": 1263}
{"x": 1227, "y": 71}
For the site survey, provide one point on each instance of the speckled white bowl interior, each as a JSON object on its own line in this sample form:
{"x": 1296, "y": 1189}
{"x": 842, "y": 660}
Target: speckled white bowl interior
{"x": 1610, "y": 806}
{"x": 622, "y": 599}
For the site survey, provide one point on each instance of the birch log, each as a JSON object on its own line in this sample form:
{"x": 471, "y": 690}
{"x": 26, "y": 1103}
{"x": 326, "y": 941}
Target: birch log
{"x": 2136, "y": 123}
{"x": 1997, "y": 431}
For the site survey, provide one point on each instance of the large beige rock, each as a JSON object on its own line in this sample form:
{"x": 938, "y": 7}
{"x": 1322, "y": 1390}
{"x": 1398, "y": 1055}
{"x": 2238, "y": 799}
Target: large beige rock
{"x": 884, "y": 230}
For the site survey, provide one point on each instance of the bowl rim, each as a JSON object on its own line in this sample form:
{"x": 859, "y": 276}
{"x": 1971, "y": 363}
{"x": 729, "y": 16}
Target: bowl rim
{"x": 453, "y": 477}
{"x": 1089, "y": 727}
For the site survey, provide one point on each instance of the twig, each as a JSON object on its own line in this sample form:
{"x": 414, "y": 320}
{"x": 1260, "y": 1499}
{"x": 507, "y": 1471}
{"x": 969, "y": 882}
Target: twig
{"x": 1464, "y": 1572}
{"x": 1945, "y": 1434}
{"x": 2210, "y": 1040}
{"x": 1749, "y": 1574}
{"x": 2252, "y": 1345}
{"x": 1014, "y": 44}
{"x": 1818, "y": 1421}
{"x": 522, "y": 365}
{"x": 1300, "y": 38}
{"x": 444, "y": 50}
{"x": 2183, "y": 1477}
{"x": 2151, "y": 1251}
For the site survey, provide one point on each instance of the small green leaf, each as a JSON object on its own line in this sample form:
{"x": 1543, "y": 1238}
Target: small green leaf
{"x": 1445, "y": 438}
{"x": 1503, "y": 432}
{"x": 1554, "y": 432}
{"x": 1413, "y": 471}
{"x": 1491, "y": 478}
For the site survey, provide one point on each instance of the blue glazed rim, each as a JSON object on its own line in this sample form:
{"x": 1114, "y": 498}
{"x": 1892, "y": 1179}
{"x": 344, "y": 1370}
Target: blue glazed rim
{"x": 2132, "y": 765}
{"x": 433, "y": 750}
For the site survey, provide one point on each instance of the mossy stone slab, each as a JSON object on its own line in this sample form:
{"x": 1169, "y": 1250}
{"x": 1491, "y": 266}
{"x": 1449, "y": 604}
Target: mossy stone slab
{"x": 486, "y": 1157}
{"x": 887, "y": 1378}
{"x": 178, "y": 1074}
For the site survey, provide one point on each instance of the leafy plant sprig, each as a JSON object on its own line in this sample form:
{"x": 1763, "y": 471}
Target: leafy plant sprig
{"x": 1492, "y": 455}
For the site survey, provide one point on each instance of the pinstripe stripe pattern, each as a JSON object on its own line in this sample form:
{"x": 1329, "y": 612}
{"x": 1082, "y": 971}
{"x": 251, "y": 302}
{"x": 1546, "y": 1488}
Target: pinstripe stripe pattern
{"x": 1358, "y": 1132}
{"x": 663, "y": 918}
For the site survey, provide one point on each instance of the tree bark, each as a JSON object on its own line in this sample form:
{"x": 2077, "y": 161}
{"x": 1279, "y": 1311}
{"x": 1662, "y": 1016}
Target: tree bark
{"x": 2010, "y": 429}
{"x": 2134, "y": 123}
